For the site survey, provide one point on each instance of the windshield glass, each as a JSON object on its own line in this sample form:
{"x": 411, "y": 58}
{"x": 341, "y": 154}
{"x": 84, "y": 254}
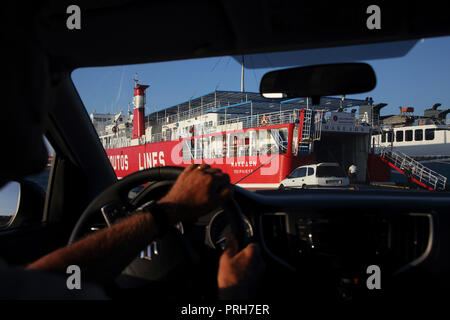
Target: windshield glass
{"x": 329, "y": 171}
{"x": 210, "y": 111}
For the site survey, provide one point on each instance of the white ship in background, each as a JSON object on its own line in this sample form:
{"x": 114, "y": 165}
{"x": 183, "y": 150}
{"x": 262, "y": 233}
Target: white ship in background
{"x": 420, "y": 137}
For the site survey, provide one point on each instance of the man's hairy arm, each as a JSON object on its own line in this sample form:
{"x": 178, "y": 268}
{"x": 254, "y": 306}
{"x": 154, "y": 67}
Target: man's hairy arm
{"x": 103, "y": 255}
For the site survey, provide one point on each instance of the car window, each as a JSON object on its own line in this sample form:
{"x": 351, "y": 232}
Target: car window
{"x": 12, "y": 195}
{"x": 329, "y": 171}
{"x": 210, "y": 110}
{"x": 293, "y": 174}
{"x": 301, "y": 173}
{"x": 310, "y": 171}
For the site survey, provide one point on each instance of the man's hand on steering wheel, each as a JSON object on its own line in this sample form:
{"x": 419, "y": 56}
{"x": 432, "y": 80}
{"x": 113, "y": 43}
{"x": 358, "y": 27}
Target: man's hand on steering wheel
{"x": 103, "y": 255}
{"x": 197, "y": 191}
{"x": 239, "y": 271}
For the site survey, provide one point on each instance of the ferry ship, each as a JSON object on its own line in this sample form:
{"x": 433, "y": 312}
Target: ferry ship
{"x": 424, "y": 137}
{"x": 257, "y": 141}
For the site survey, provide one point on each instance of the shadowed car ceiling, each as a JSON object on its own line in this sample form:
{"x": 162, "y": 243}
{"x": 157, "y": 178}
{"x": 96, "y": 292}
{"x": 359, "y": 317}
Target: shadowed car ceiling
{"x": 125, "y": 32}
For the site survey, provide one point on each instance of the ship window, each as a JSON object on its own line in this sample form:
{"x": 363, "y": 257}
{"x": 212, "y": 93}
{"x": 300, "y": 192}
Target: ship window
{"x": 429, "y": 134}
{"x": 253, "y": 143}
{"x": 390, "y": 136}
{"x": 408, "y": 135}
{"x": 399, "y": 136}
{"x": 187, "y": 149}
{"x": 279, "y": 140}
{"x": 215, "y": 146}
{"x": 201, "y": 148}
{"x": 264, "y": 142}
{"x": 242, "y": 146}
{"x": 418, "y": 135}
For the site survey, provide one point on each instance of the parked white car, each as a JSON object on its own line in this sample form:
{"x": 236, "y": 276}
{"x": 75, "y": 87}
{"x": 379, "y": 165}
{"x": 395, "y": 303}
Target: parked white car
{"x": 316, "y": 175}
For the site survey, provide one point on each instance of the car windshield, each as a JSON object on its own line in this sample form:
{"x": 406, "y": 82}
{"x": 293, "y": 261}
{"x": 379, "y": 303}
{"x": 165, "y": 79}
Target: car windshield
{"x": 210, "y": 110}
{"x": 329, "y": 171}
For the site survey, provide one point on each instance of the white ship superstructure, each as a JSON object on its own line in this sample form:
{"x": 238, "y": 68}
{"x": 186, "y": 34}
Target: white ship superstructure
{"x": 420, "y": 137}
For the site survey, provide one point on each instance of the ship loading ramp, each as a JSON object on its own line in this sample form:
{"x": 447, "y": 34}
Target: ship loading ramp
{"x": 413, "y": 170}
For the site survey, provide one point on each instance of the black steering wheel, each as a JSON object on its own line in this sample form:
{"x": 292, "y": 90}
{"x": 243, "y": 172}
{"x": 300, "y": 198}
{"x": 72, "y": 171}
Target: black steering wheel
{"x": 114, "y": 202}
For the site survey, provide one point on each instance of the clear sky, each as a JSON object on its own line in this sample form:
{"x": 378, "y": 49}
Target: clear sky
{"x": 9, "y": 196}
{"x": 419, "y": 79}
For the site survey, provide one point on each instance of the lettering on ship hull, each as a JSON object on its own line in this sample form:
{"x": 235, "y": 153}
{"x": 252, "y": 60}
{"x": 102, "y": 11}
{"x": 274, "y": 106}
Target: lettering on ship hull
{"x": 119, "y": 162}
{"x": 151, "y": 159}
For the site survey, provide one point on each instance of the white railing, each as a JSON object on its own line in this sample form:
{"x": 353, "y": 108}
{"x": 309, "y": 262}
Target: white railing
{"x": 280, "y": 142}
{"x": 250, "y": 121}
{"x": 185, "y": 115}
{"x": 263, "y": 120}
{"x": 417, "y": 170}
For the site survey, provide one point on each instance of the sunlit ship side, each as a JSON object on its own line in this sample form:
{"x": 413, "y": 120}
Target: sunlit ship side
{"x": 257, "y": 141}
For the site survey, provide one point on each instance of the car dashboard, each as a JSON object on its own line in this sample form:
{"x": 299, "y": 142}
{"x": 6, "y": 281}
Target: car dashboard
{"x": 323, "y": 244}
{"x": 333, "y": 239}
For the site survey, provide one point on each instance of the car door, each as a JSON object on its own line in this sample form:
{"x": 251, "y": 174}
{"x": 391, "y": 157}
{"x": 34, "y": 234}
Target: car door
{"x": 299, "y": 180}
{"x": 310, "y": 178}
{"x": 290, "y": 179}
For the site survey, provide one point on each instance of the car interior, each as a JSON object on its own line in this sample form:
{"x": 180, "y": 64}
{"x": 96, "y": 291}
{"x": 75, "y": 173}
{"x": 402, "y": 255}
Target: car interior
{"x": 317, "y": 245}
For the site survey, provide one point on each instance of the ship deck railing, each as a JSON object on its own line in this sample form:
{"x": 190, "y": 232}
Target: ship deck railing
{"x": 249, "y": 121}
{"x": 409, "y": 166}
{"x": 258, "y": 108}
{"x": 263, "y": 120}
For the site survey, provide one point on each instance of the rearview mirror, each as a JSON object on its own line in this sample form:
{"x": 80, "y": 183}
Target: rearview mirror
{"x": 318, "y": 81}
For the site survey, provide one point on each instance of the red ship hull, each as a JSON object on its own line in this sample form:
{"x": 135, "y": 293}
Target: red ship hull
{"x": 251, "y": 172}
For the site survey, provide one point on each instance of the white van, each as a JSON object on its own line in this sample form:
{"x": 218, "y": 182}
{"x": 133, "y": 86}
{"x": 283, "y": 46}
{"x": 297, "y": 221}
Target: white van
{"x": 316, "y": 175}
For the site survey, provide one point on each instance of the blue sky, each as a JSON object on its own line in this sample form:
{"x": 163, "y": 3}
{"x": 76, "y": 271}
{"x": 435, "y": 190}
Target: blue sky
{"x": 419, "y": 79}
{"x": 9, "y": 195}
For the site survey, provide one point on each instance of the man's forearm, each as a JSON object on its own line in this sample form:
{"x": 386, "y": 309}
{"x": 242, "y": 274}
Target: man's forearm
{"x": 103, "y": 255}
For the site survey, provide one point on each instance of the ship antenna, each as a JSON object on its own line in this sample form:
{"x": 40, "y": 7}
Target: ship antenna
{"x": 136, "y": 80}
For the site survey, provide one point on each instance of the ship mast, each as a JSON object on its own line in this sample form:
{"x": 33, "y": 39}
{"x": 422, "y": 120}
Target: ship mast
{"x": 136, "y": 80}
{"x": 242, "y": 74}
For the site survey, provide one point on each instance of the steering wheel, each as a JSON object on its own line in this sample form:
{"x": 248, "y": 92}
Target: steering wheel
{"x": 114, "y": 202}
